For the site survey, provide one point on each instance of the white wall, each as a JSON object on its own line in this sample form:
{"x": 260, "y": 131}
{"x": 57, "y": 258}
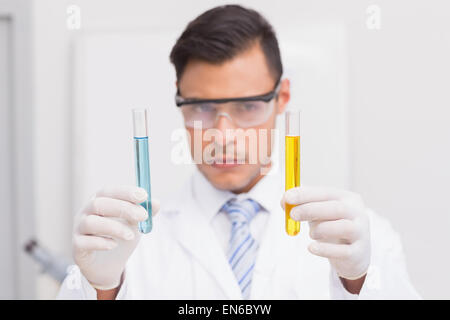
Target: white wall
{"x": 400, "y": 79}
{"x": 7, "y": 254}
{"x": 397, "y": 96}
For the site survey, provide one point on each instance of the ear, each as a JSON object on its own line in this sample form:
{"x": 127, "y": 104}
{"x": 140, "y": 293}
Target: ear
{"x": 284, "y": 95}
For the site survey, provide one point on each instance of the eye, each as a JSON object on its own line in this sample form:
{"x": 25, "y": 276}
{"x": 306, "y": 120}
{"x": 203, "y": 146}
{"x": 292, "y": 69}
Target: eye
{"x": 203, "y": 108}
{"x": 249, "y": 106}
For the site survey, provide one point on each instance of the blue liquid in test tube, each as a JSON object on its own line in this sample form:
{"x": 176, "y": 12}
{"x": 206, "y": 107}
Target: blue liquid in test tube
{"x": 142, "y": 163}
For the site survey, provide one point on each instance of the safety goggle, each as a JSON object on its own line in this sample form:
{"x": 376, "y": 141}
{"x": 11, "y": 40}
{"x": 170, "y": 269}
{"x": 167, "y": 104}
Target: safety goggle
{"x": 244, "y": 112}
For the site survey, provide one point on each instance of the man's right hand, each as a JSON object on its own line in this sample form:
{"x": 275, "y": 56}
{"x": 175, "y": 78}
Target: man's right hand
{"x": 106, "y": 233}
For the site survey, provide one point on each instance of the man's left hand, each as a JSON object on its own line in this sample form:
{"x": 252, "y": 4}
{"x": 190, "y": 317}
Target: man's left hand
{"x": 338, "y": 222}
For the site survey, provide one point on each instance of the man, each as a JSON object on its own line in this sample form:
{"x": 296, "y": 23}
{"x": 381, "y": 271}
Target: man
{"x": 223, "y": 234}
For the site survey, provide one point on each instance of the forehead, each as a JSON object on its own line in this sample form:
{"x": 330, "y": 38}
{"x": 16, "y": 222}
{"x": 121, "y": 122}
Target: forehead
{"x": 247, "y": 74}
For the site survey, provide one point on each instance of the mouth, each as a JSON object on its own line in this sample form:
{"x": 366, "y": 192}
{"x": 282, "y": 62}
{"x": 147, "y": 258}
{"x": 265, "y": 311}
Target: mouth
{"x": 227, "y": 163}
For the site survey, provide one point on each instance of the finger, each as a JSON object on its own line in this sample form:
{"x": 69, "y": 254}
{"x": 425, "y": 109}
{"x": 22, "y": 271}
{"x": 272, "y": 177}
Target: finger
{"x": 92, "y": 243}
{"x": 334, "y": 230}
{"x": 110, "y": 207}
{"x": 330, "y": 250}
{"x": 300, "y": 195}
{"x": 323, "y": 210}
{"x": 105, "y": 227}
{"x": 127, "y": 193}
{"x": 156, "y": 205}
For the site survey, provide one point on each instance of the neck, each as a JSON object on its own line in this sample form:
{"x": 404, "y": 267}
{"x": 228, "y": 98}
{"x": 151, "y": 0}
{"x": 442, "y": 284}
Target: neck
{"x": 252, "y": 182}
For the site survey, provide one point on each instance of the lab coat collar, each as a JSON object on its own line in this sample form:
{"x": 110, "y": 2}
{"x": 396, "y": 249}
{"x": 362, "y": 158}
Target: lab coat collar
{"x": 209, "y": 198}
{"x": 263, "y": 191}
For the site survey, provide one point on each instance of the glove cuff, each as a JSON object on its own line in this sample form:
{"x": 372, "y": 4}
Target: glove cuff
{"x": 117, "y": 284}
{"x": 352, "y": 278}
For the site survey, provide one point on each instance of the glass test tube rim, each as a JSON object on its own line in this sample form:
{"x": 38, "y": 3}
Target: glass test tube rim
{"x": 140, "y": 122}
{"x": 293, "y": 114}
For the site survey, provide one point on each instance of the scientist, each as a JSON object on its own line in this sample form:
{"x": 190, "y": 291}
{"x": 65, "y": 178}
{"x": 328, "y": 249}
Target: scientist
{"x": 222, "y": 235}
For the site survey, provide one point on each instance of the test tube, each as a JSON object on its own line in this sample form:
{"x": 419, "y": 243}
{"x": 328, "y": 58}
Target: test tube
{"x": 142, "y": 163}
{"x": 292, "y": 168}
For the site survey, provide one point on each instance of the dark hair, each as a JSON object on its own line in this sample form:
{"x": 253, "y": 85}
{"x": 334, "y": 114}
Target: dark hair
{"x": 221, "y": 33}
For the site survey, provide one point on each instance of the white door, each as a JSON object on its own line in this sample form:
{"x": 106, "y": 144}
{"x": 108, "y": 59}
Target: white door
{"x": 118, "y": 71}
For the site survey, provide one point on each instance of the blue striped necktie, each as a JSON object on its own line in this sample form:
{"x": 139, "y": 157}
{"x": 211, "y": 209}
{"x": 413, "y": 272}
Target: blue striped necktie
{"x": 242, "y": 246}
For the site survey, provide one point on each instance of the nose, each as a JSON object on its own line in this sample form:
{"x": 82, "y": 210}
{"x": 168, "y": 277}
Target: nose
{"x": 224, "y": 123}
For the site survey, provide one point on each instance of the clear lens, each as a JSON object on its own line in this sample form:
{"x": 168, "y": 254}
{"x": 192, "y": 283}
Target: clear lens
{"x": 249, "y": 113}
{"x": 205, "y": 113}
{"x": 244, "y": 114}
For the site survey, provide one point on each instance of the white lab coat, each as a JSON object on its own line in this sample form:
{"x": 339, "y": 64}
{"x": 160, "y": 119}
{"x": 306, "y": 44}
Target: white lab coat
{"x": 182, "y": 259}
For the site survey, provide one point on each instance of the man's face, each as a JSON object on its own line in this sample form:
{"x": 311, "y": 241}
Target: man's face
{"x": 245, "y": 75}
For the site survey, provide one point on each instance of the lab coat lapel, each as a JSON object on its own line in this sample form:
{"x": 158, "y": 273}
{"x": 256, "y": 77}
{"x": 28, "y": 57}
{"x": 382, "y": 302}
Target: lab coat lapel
{"x": 194, "y": 233}
{"x": 270, "y": 249}
{"x": 274, "y": 242}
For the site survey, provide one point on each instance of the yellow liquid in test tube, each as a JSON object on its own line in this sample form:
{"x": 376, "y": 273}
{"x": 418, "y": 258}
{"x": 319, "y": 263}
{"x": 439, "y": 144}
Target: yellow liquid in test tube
{"x": 292, "y": 178}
